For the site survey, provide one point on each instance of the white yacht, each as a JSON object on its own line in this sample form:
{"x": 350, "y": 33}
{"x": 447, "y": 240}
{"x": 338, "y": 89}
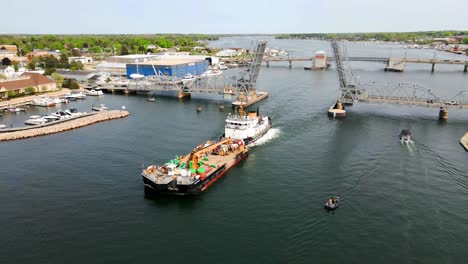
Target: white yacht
{"x": 36, "y": 121}
{"x": 247, "y": 127}
{"x": 42, "y": 101}
{"x": 94, "y": 92}
{"x": 2, "y": 126}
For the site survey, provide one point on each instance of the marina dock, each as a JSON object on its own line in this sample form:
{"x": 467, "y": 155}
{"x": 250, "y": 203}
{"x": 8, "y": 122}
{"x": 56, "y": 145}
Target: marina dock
{"x": 60, "y": 126}
{"x": 464, "y": 141}
{"x": 28, "y": 99}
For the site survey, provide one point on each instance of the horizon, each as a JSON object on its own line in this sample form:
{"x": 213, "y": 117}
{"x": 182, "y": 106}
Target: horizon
{"x": 212, "y": 17}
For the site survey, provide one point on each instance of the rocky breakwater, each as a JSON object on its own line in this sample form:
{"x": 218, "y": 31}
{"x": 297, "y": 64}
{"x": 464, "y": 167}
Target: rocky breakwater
{"x": 61, "y": 126}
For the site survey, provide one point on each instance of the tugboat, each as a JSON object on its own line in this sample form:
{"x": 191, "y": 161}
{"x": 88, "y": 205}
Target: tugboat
{"x": 247, "y": 127}
{"x": 405, "y": 136}
{"x": 195, "y": 172}
{"x": 332, "y": 203}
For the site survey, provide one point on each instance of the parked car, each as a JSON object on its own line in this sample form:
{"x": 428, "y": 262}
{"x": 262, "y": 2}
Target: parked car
{"x": 452, "y": 102}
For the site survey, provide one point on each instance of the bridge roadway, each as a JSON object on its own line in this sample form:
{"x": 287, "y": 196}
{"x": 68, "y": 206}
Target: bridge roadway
{"x": 412, "y": 102}
{"x": 371, "y": 59}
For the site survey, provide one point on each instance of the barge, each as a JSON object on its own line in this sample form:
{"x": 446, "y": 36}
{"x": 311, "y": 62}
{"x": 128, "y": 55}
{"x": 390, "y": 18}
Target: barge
{"x": 196, "y": 172}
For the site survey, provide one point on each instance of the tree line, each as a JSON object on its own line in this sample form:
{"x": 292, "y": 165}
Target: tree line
{"x": 411, "y": 37}
{"x": 120, "y": 44}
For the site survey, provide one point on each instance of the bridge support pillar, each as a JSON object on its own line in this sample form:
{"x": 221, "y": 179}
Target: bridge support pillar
{"x": 337, "y": 110}
{"x": 290, "y": 64}
{"x": 182, "y": 95}
{"x": 466, "y": 68}
{"x": 268, "y": 64}
{"x": 443, "y": 113}
{"x": 433, "y": 66}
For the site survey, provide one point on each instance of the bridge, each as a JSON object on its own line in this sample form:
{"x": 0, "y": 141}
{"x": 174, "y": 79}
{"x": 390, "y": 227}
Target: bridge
{"x": 393, "y": 63}
{"x": 352, "y": 91}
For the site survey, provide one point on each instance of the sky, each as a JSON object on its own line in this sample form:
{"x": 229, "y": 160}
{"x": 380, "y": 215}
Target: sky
{"x": 231, "y": 17}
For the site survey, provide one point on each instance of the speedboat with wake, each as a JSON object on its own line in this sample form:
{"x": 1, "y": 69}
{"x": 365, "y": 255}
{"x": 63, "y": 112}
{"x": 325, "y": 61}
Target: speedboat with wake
{"x": 332, "y": 203}
{"x": 405, "y": 136}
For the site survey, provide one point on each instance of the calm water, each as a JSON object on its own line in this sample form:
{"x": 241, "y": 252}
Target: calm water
{"x": 77, "y": 197}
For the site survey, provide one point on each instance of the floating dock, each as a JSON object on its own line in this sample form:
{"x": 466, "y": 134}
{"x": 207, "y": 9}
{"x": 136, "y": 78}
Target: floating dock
{"x": 464, "y": 141}
{"x": 60, "y": 126}
{"x": 251, "y": 99}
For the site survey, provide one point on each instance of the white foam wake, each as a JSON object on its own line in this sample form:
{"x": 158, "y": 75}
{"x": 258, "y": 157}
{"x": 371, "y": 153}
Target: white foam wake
{"x": 271, "y": 134}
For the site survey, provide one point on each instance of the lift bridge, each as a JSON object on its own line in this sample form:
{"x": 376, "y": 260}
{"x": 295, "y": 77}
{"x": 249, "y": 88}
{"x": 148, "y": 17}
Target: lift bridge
{"x": 243, "y": 83}
{"x": 352, "y": 90}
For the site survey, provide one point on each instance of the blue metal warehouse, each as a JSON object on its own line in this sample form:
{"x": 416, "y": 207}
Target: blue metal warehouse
{"x": 172, "y": 67}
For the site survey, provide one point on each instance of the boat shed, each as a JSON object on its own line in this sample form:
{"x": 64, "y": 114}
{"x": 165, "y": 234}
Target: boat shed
{"x": 171, "y": 67}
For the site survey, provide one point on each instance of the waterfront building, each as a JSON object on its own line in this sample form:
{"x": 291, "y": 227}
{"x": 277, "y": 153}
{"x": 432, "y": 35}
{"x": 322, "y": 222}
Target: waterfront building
{"x": 28, "y": 79}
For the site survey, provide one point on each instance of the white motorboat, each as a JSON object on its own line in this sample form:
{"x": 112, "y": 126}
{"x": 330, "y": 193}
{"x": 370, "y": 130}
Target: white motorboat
{"x": 136, "y": 76}
{"x": 61, "y": 115}
{"x": 80, "y": 95}
{"x": 71, "y": 97}
{"x": 222, "y": 67}
{"x": 36, "y": 121}
{"x": 42, "y": 101}
{"x": 57, "y": 101}
{"x": 152, "y": 99}
{"x": 248, "y": 127}
{"x": 101, "y": 107}
{"x": 188, "y": 78}
{"x": 50, "y": 117}
{"x": 94, "y": 92}
{"x": 34, "y": 117}
{"x": 211, "y": 73}
{"x": 2, "y": 126}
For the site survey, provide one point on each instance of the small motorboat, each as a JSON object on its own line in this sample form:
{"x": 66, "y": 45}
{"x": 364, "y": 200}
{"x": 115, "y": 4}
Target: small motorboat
{"x": 152, "y": 99}
{"x": 35, "y": 117}
{"x": 102, "y": 107}
{"x": 36, "y": 121}
{"x": 2, "y": 126}
{"x": 332, "y": 203}
{"x": 199, "y": 108}
{"x": 405, "y": 136}
{"x": 94, "y": 92}
{"x": 221, "y": 107}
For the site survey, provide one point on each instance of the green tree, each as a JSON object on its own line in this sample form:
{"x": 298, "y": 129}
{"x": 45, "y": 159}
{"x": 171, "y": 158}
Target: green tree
{"x": 74, "y": 85}
{"x": 124, "y": 50}
{"x": 2, "y": 76}
{"x": 76, "y": 65}
{"x": 49, "y": 71}
{"x": 30, "y": 90}
{"x": 57, "y": 78}
{"x": 63, "y": 62}
{"x": 465, "y": 40}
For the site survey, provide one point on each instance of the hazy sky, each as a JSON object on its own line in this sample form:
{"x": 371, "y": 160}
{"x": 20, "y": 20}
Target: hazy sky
{"x": 234, "y": 16}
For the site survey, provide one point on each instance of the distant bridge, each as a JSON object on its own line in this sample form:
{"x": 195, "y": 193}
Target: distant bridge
{"x": 393, "y": 63}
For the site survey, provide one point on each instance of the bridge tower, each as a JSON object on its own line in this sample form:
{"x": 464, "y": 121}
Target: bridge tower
{"x": 349, "y": 87}
{"x": 246, "y": 79}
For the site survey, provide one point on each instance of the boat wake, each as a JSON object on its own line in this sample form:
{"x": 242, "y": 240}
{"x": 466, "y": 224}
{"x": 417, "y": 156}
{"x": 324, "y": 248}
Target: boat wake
{"x": 270, "y": 135}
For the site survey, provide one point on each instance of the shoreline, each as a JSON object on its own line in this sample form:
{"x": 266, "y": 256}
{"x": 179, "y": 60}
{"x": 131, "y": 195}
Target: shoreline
{"x": 63, "y": 126}
{"x": 27, "y": 99}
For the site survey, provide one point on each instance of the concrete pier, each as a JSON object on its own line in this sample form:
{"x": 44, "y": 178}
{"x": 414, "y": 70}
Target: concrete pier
{"x": 60, "y": 126}
{"x": 337, "y": 110}
{"x": 250, "y": 100}
{"x": 443, "y": 113}
{"x": 464, "y": 141}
